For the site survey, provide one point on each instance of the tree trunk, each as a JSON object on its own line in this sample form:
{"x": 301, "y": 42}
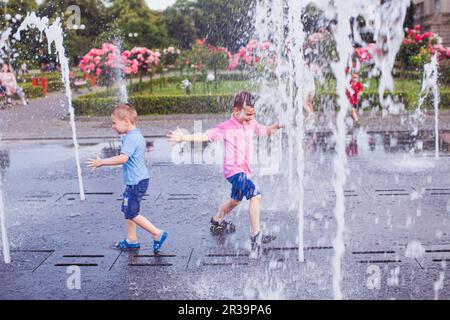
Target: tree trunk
{"x": 151, "y": 83}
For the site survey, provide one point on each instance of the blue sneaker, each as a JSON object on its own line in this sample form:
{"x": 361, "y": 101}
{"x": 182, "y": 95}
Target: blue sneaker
{"x": 125, "y": 245}
{"x": 158, "y": 244}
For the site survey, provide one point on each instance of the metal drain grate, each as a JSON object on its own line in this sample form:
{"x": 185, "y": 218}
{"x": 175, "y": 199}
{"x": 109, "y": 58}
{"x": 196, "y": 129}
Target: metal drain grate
{"x": 163, "y": 164}
{"x": 155, "y": 260}
{"x": 37, "y": 197}
{"x": 80, "y": 263}
{"x": 154, "y": 256}
{"x": 69, "y": 196}
{"x": 76, "y": 264}
{"x": 347, "y": 193}
{"x": 150, "y": 265}
{"x": 373, "y": 252}
{"x": 230, "y": 259}
{"x": 143, "y": 198}
{"x": 83, "y": 256}
{"x": 296, "y": 248}
{"x": 182, "y": 196}
{"x": 438, "y": 191}
{"x": 380, "y": 261}
{"x": 230, "y": 264}
{"x": 227, "y": 255}
{"x": 392, "y": 192}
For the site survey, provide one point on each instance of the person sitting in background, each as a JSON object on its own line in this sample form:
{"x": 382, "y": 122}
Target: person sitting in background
{"x": 8, "y": 80}
{"x": 24, "y": 68}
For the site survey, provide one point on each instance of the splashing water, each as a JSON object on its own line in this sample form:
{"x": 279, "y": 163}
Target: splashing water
{"x": 389, "y": 34}
{"x": 438, "y": 285}
{"x": 5, "y": 241}
{"x": 414, "y": 250}
{"x": 54, "y": 34}
{"x": 430, "y": 87}
{"x": 284, "y": 96}
{"x": 279, "y": 22}
{"x": 123, "y": 94}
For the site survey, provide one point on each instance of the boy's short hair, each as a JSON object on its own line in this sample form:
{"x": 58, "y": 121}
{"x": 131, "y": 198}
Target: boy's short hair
{"x": 244, "y": 98}
{"x": 125, "y": 111}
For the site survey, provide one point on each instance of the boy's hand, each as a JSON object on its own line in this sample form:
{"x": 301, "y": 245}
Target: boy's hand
{"x": 277, "y": 124}
{"x": 95, "y": 163}
{"x": 175, "y": 136}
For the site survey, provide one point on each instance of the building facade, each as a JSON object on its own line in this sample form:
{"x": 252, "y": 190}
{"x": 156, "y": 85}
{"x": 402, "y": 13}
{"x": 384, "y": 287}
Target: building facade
{"x": 434, "y": 16}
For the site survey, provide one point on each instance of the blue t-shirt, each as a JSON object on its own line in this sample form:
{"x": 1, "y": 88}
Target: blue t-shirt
{"x": 134, "y": 146}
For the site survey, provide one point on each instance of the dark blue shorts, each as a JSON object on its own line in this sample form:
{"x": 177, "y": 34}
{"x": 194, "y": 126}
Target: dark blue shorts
{"x": 242, "y": 186}
{"x": 132, "y": 198}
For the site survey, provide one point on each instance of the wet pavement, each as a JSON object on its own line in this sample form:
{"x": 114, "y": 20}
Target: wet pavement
{"x": 396, "y": 193}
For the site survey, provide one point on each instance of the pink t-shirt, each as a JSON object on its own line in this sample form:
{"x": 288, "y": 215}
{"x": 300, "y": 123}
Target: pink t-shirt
{"x": 238, "y": 144}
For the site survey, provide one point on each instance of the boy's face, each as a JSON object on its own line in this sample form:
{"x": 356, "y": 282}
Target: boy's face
{"x": 245, "y": 115}
{"x": 355, "y": 77}
{"x": 121, "y": 126}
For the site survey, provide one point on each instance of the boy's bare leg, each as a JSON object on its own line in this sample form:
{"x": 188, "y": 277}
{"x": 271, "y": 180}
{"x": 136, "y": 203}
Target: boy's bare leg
{"x": 131, "y": 230}
{"x": 354, "y": 114}
{"x": 254, "y": 210}
{"x": 145, "y": 224}
{"x": 225, "y": 209}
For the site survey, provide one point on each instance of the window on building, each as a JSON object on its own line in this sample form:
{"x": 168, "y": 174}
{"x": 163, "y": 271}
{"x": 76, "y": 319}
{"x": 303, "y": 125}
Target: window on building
{"x": 437, "y": 7}
{"x": 419, "y": 11}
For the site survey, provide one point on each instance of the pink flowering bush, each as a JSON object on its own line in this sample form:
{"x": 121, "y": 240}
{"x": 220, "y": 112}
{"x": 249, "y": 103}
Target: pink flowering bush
{"x": 419, "y": 47}
{"x": 141, "y": 61}
{"x": 169, "y": 57}
{"x": 366, "y": 54}
{"x": 106, "y": 64}
{"x": 251, "y": 55}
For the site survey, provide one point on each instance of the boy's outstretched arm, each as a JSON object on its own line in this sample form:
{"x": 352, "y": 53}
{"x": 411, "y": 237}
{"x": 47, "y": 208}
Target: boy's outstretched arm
{"x": 178, "y": 136}
{"x": 273, "y": 128}
{"x": 114, "y": 161}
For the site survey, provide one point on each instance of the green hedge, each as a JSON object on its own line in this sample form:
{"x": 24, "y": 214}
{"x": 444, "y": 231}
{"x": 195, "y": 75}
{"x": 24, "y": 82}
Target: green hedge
{"x": 33, "y": 92}
{"x": 51, "y": 76}
{"x": 146, "y": 104}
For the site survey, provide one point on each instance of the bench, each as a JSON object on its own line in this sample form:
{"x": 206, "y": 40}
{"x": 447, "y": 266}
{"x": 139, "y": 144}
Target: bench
{"x": 88, "y": 82}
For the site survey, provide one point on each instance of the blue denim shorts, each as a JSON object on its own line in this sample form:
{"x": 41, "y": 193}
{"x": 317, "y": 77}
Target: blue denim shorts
{"x": 132, "y": 198}
{"x": 242, "y": 186}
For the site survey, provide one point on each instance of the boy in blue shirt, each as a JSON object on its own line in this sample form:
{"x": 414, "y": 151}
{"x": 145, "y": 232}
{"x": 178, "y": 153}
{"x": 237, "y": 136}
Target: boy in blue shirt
{"x": 135, "y": 177}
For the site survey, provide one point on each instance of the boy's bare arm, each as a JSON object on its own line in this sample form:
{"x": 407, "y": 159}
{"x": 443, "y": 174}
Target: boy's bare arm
{"x": 178, "y": 136}
{"x": 114, "y": 161}
{"x": 273, "y": 128}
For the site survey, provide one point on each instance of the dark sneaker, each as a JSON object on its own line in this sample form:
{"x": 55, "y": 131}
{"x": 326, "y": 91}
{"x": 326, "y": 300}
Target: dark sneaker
{"x": 158, "y": 244}
{"x": 222, "y": 227}
{"x": 125, "y": 245}
{"x": 261, "y": 239}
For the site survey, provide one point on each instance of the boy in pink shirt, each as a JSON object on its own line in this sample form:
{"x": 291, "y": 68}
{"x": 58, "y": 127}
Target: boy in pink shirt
{"x": 237, "y": 133}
